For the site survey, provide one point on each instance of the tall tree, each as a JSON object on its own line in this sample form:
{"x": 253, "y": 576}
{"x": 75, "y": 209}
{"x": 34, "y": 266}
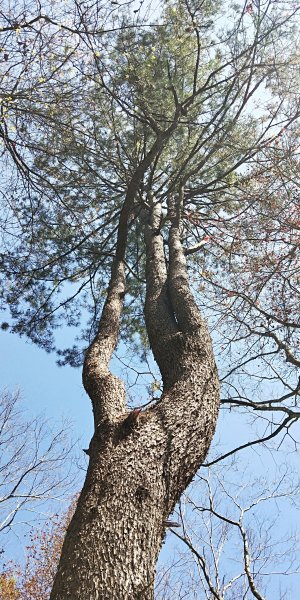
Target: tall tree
{"x": 129, "y": 143}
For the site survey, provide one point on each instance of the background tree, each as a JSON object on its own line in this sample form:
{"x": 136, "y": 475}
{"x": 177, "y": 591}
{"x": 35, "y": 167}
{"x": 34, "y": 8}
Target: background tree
{"x": 36, "y": 473}
{"x": 133, "y": 145}
{"x": 35, "y": 464}
{"x": 231, "y": 543}
{"x": 8, "y": 586}
{"x": 33, "y": 580}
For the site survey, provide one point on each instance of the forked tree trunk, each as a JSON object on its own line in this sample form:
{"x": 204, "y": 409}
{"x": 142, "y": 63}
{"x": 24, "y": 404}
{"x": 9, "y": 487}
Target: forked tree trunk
{"x": 140, "y": 462}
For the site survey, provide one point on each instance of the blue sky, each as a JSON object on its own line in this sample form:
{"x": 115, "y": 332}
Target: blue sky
{"x": 45, "y": 387}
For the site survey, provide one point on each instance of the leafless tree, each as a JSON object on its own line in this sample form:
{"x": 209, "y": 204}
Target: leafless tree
{"x": 235, "y": 541}
{"x": 35, "y": 465}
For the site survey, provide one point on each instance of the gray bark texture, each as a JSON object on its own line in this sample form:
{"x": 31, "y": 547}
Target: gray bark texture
{"x": 140, "y": 461}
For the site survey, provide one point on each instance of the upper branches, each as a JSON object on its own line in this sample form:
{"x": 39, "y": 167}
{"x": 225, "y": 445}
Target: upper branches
{"x": 108, "y": 400}
{"x": 88, "y": 120}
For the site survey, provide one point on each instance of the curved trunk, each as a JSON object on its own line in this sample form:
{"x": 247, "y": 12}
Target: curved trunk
{"x": 140, "y": 461}
{"x": 137, "y": 471}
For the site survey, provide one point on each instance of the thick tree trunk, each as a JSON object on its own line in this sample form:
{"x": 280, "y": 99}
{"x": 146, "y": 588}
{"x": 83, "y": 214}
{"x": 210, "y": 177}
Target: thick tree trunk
{"x": 140, "y": 462}
{"x": 135, "y": 477}
{"x": 115, "y": 536}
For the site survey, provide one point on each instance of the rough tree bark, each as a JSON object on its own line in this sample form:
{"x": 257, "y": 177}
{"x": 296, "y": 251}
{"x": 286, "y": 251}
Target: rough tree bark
{"x": 140, "y": 462}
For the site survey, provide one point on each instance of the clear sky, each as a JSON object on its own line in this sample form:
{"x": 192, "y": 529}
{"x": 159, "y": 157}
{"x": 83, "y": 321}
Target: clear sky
{"x": 45, "y": 387}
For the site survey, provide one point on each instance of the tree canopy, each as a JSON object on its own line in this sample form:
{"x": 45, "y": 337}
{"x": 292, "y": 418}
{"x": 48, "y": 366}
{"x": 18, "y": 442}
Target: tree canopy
{"x": 90, "y": 93}
{"x": 203, "y": 95}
